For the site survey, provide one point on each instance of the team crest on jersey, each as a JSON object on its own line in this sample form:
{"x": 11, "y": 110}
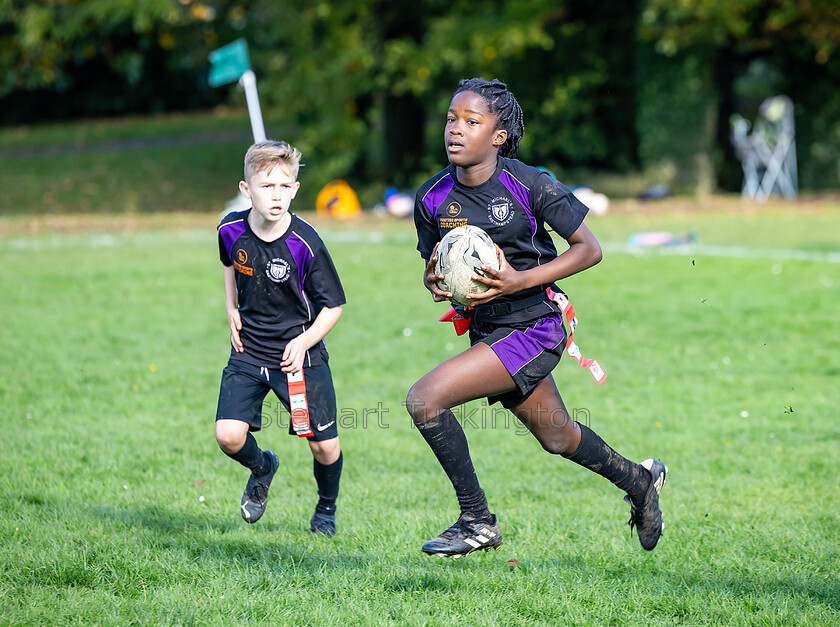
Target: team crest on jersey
{"x": 500, "y": 210}
{"x": 277, "y": 270}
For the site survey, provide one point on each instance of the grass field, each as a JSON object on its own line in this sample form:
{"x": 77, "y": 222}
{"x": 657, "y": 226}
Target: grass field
{"x": 186, "y": 163}
{"x": 118, "y": 508}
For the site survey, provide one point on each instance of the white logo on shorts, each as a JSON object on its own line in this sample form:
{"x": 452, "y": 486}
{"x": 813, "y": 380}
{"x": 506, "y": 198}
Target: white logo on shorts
{"x": 321, "y": 427}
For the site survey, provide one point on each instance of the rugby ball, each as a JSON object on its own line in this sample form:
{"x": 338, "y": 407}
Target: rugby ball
{"x": 461, "y": 254}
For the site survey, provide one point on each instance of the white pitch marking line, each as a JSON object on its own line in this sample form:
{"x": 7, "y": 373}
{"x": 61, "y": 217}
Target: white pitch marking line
{"x": 376, "y": 237}
{"x": 735, "y": 252}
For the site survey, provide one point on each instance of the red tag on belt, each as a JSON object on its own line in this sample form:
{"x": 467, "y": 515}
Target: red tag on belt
{"x": 461, "y": 323}
{"x": 297, "y": 404}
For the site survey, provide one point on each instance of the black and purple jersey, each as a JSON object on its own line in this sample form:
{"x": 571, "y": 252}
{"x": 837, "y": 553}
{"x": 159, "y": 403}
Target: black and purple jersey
{"x": 513, "y": 206}
{"x": 281, "y": 286}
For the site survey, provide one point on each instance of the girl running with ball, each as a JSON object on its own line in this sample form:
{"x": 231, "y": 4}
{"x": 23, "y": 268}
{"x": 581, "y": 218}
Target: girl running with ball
{"x": 516, "y": 331}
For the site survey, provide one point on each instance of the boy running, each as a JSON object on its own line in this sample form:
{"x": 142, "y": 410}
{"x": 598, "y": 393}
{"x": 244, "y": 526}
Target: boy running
{"x": 282, "y": 296}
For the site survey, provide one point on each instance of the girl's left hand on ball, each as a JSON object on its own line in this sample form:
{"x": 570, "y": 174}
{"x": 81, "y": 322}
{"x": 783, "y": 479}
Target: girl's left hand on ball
{"x": 503, "y": 281}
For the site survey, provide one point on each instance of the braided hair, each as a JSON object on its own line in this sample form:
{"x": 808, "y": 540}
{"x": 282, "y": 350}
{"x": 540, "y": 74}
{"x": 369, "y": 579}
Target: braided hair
{"x": 502, "y": 103}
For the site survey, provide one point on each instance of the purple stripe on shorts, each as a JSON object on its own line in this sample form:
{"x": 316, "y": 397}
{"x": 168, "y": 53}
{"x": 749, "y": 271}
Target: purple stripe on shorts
{"x": 302, "y": 255}
{"x": 437, "y": 194}
{"x": 521, "y": 193}
{"x": 520, "y": 347}
{"x": 231, "y": 232}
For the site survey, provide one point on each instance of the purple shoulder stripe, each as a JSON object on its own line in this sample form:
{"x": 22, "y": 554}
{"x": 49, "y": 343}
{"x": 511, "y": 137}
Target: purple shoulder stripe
{"x": 230, "y": 232}
{"x": 301, "y": 253}
{"x": 521, "y": 193}
{"x": 437, "y": 194}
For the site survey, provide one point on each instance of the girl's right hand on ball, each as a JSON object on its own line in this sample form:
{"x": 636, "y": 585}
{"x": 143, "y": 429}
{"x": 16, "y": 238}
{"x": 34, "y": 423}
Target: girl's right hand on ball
{"x": 430, "y": 279}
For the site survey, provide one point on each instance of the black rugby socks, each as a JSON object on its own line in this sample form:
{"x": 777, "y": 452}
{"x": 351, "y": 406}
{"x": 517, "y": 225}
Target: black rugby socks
{"x": 596, "y": 455}
{"x": 251, "y": 457}
{"x": 327, "y": 478}
{"x": 449, "y": 444}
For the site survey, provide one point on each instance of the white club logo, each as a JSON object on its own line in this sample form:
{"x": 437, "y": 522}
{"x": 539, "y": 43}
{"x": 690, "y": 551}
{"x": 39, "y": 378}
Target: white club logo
{"x": 501, "y": 210}
{"x": 277, "y": 270}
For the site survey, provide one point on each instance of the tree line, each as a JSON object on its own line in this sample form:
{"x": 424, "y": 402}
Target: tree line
{"x": 641, "y": 85}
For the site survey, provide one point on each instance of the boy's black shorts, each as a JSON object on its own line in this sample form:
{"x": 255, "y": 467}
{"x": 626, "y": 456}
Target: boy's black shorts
{"x": 245, "y": 386}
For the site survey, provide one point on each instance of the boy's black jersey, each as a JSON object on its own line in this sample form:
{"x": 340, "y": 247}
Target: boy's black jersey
{"x": 513, "y": 206}
{"x": 281, "y": 286}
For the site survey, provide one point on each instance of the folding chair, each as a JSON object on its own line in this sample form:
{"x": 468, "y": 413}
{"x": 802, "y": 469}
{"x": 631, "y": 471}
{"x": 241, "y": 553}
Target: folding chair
{"x": 747, "y": 154}
{"x": 768, "y": 154}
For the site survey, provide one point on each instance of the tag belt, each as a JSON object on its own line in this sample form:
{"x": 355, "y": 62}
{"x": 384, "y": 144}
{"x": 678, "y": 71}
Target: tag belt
{"x": 499, "y": 309}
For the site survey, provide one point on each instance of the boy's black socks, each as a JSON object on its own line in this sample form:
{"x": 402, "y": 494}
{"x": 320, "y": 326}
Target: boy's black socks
{"x": 328, "y": 479}
{"x": 449, "y": 444}
{"x": 596, "y": 455}
{"x": 251, "y": 457}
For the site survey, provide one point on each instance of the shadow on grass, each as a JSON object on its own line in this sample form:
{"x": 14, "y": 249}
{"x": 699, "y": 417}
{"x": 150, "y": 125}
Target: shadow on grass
{"x": 209, "y": 538}
{"x": 163, "y": 544}
{"x": 676, "y": 579}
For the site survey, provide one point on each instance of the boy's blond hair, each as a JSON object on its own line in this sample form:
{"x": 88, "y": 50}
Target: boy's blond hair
{"x": 268, "y": 154}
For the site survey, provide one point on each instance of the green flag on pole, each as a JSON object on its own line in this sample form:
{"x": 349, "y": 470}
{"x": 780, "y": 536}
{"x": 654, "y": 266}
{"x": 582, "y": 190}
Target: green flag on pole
{"x": 228, "y": 63}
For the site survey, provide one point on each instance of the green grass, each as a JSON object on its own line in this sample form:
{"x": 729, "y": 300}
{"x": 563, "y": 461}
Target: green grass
{"x": 83, "y": 134}
{"x": 727, "y": 369}
{"x": 81, "y": 170}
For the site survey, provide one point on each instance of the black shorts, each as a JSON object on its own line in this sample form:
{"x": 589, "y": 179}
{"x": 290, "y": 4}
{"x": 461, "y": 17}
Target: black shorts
{"x": 245, "y": 386}
{"x": 529, "y": 350}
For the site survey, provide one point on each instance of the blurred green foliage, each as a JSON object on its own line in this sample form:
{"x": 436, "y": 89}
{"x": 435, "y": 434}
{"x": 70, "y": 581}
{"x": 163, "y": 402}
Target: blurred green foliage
{"x": 746, "y": 50}
{"x": 641, "y": 86}
{"x": 72, "y": 58}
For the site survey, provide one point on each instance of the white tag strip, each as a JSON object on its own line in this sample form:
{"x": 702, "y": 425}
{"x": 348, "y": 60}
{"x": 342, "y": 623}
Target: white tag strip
{"x": 569, "y": 314}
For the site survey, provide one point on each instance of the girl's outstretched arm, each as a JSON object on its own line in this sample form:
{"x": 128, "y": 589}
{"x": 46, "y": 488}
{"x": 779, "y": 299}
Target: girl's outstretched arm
{"x": 584, "y": 252}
